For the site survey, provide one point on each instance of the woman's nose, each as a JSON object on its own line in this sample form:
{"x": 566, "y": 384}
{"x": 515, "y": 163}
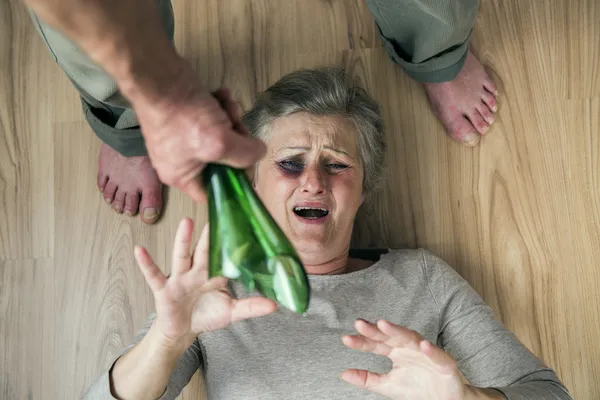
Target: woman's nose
{"x": 314, "y": 182}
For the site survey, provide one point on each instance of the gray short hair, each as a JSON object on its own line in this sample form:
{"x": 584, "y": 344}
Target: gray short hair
{"x": 325, "y": 91}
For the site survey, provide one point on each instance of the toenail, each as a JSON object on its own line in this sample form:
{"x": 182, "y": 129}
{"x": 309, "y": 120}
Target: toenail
{"x": 107, "y": 200}
{"x": 495, "y": 108}
{"x": 150, "y": 213}
{"x": 485, "y": 129}
{"x": 471, "y": 139}
{"x": 117, "y": 208}
{"x": 128, "y": 213}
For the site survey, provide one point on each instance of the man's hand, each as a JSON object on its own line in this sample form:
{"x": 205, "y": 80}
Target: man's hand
{"x": 193, "y": 127}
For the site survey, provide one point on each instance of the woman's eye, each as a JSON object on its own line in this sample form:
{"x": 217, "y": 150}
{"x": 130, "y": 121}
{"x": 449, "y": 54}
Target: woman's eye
{"x": 337, "y": 167}
{"x": 291, "y": 166}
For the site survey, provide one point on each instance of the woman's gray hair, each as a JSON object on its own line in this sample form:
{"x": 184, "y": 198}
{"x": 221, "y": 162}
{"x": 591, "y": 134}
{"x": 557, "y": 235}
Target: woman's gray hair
{"x": 325, "y": 91}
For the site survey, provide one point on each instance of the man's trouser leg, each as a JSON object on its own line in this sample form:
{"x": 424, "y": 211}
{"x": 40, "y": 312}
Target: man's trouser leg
{"x": 108, "y": 113}
{"x": 428, "y": 38}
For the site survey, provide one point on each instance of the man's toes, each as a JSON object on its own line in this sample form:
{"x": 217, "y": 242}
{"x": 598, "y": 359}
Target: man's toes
{"x": 109, "y": 191}
{"x": 462, "y": 130}
{"x": 102, "y": 180}
{"x": 478, "y": 122}
{"x": 119, "y": 201}
{"x": 489, "y": 100}
{"x": 485, "y": 112}
{"x": 150, "y": 205}
{"x": 490, "y": 86}
{"x": 132, "y": 202}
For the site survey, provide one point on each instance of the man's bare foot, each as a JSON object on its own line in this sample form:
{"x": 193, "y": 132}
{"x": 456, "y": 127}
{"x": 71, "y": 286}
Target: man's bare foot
{"x": 466, "y": 105}
{"x": 129, "y": 184}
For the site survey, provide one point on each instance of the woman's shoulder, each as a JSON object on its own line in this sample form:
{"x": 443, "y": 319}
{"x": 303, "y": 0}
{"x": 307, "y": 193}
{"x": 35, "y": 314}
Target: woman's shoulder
{"x": 400, "y": 255}
{"x": 416, "y": 262}
{"x": 397, "y": 256}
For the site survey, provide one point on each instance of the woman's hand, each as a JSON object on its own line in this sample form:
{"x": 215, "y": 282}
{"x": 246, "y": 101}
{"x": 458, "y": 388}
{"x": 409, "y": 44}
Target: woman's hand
{"x": 420, "y": 370}
{"x": 187, "y": 302}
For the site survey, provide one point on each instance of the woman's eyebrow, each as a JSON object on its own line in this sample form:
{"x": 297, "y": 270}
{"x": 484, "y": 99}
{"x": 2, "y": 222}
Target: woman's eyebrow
{"x": 335, "y": 150}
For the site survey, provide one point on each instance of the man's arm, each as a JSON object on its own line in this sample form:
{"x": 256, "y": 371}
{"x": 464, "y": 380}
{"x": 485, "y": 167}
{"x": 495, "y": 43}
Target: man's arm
{"x": 124, "y": 37}
{"x": 183, "y": 124}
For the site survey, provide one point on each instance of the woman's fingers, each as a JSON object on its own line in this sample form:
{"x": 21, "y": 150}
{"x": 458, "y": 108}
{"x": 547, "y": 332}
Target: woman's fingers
{"x": 362, "y": 379}
{"x": 399, "y": 336}
{"x": 251, "y": 308}
{"x": 181, "y": 248}
{"x": 153, "y": 275}
{"x": 383, "y": 337}
{"x": 200, "y": 259}
{"x": 370, "y": 330}
{"x": 362, "y": 343}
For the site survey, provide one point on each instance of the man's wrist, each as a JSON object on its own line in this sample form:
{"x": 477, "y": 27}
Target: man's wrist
{"x": 149, "y": 77}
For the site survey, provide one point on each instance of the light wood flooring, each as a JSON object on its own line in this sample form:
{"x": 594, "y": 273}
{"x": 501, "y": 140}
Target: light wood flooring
{"x": 517, "y": 216}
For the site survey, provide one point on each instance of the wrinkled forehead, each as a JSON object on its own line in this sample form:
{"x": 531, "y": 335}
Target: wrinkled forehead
{"x": 305, "y": 132}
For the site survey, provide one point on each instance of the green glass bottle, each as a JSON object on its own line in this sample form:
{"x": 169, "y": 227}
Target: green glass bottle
{"x": 246, "y": 244}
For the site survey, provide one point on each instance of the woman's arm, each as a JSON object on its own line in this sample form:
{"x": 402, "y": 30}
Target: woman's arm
{"x": 150, "y": 368}
{"x": 147, "y": 370}
{"x": 166, "y": 353}
{"x": 488, "y": 355}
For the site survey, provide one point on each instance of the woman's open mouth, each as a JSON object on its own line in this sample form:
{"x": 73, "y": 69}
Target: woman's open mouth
{"x": 311, "y": 215}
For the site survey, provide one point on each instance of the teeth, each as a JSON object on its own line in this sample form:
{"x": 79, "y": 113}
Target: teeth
{"x": 309, "y": 208}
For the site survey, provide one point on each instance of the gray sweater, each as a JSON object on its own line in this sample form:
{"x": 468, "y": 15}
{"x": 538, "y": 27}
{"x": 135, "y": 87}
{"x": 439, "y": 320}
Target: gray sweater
{"x": 288, "y": 356}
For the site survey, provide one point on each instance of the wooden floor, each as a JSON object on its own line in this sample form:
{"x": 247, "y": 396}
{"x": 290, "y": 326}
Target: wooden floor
{"x": 518, "y": 216}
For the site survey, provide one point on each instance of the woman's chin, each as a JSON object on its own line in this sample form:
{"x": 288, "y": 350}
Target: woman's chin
{"x": 310, "y": 243}
{"x": 309, "y": 238}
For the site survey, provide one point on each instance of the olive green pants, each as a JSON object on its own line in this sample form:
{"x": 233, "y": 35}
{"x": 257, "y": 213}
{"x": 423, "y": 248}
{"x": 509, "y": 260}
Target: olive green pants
{"x": 427, "y": 38}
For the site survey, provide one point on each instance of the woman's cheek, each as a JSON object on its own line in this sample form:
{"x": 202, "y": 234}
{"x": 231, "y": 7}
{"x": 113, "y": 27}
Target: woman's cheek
{"x": 348, "y": 182}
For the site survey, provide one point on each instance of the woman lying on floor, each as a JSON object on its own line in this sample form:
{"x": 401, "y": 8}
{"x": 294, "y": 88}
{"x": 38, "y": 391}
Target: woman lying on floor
{"x": 417, "y": 322}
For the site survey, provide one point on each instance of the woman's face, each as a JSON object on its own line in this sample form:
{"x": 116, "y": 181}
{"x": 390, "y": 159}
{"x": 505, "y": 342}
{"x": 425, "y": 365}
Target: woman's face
{"x": 310, "y": 180}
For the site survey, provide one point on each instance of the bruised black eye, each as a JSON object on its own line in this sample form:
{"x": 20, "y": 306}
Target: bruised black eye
{"x": 291, "y": 166}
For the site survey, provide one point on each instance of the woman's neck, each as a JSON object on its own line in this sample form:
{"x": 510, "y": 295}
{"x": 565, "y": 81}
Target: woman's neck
{"x": 341, "y": 264}
{"x": 334, "y": 266}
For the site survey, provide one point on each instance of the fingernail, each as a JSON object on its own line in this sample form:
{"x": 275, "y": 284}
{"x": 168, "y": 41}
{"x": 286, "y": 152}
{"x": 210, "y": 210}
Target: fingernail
{"x": 107, "y": 200}
{"x": 471, "y": 139}
{"x": 150, "y": 213}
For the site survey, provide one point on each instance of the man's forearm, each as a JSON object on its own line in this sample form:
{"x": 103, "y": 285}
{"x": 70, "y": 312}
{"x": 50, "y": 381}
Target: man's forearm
{"x": 124, "y": 37}
{"x": 144, "y": 372}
